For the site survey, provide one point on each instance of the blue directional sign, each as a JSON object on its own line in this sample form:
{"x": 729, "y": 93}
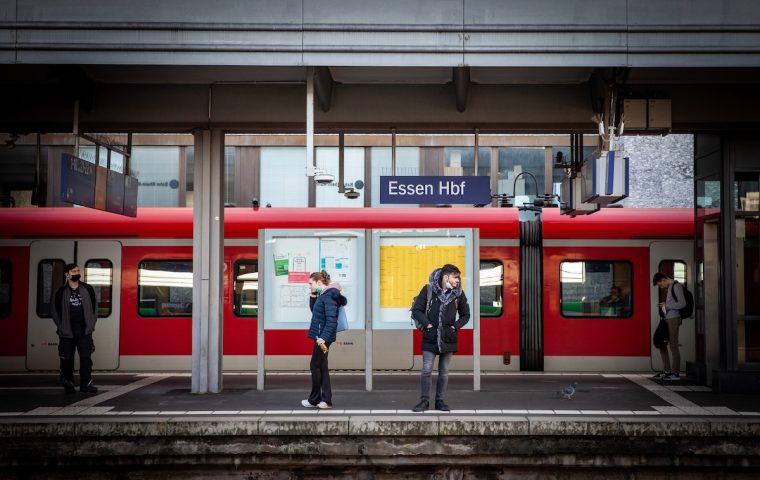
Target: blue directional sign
{"x": 115, "y": 192}
{"x": 77, "y": 181}
{"x": 435, "y": 190}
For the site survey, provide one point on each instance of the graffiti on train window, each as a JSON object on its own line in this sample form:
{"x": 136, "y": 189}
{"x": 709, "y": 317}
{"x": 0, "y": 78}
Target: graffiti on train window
{"x": 50, "y": 277}
{"x": 246, "y": 303}
{"x": 99, "y": 275}
{"x": 491, "y": 287}
{"x": 596, "y": 289}
{"x": 5, "y": 288}
{"x": 165, "y": 288}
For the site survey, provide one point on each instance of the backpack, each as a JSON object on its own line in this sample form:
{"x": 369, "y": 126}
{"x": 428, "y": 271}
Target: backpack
{"x": 661, "y": 335}
{"x": 688, "y": 310}
{"x": 427, "y": 308}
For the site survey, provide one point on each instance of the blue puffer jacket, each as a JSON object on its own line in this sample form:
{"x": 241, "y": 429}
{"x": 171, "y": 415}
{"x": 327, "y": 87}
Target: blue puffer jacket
{"x": 324, "y": 313}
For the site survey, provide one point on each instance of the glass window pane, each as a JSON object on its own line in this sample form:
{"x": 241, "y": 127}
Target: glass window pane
{"x": 491, "y": 287}
{"x": 50, "y": 277}
{"x": 461, "y": 161}
{"x": 157, "y": 172}
{"x": 165, "y": 288}
{"x": 328, "y": 160}
{"x": 99, "y": 275}
{"x": 283, "y": 177}
{"x": 596, "y": 289}
{"x": 747, "y": 192}
{"x": 5, "y": 288}
{"x": 512, "y": 162}
{"x": 407, "y": 164}
{"x": 229, "y": 175}
{"x": 246, "y": 289}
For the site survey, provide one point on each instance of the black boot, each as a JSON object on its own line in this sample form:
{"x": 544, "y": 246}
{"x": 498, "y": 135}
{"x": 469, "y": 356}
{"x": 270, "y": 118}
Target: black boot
{"x": 88, "y": 388}
{"x": 422, "y": 406}
{"x": 68, "y": 386}
{"x": 441, "y": 405}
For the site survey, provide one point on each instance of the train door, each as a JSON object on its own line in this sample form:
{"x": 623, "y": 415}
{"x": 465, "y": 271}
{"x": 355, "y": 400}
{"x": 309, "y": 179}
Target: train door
{"x": 100, "y": 263}
{"x": 676, "y": 260}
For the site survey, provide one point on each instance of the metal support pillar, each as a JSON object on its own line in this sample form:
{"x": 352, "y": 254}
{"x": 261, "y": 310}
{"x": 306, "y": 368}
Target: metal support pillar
{"x": 368, "y": 310}
{"x": 208, "y": 261}
{"x": 727, "y": 248}
{"x": 476, "y": 310}
{"x": 260, "y": 371}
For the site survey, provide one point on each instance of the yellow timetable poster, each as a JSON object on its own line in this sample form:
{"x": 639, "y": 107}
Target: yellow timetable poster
{"x": 404, "y": 269}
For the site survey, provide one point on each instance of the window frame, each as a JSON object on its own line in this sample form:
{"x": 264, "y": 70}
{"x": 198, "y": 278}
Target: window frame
{"x": 235, "y": 267}
{"x": 39, "y": 277}
{"x": 160, "y": 260}
{"x": 501, "y": 289}
{"x": 597, "y": 317}
{"x": 674, "y": 260}
{"x": 110, "y": 286}
{"x": 10, "y": 287}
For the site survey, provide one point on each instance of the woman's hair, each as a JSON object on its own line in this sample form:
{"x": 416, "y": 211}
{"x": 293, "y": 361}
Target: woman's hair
{"x": 321, "y": 276}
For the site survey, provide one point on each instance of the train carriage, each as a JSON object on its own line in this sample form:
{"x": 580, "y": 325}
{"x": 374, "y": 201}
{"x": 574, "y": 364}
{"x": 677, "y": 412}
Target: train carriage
{"x": 547, "y": 316}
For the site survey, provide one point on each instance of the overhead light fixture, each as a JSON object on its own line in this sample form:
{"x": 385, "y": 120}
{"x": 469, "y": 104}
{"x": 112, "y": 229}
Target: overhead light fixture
{"x": 351, "y": 194}
{"x": 323, "y": 178}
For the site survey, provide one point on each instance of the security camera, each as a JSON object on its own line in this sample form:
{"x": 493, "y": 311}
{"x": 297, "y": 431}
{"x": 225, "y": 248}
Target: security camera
{"x": 323, "y": 178}
{"x": 351, "y": 194}
{"x": 255, "y": 203}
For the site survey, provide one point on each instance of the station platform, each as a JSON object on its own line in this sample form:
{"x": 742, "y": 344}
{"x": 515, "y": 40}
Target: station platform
{"x": 517, "y": 425}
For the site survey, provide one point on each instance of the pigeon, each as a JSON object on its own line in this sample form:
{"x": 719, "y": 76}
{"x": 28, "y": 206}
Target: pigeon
{"x": 569, "y": 391}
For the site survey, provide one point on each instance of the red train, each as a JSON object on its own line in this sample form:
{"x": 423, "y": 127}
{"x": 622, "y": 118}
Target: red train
{"x": 561, "y": 318}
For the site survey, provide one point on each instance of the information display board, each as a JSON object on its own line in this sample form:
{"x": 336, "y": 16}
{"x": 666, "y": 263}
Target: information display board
{"x": 292, "y": 255}
{"x": 402, "y": 262}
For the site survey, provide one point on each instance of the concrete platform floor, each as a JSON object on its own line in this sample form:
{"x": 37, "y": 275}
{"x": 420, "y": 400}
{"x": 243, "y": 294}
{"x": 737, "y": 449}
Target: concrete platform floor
{"x": 524, "y": 394}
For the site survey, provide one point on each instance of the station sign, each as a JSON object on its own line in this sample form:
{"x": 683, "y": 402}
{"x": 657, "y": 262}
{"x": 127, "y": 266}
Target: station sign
{"x": 435, "y": 190}
{"x": 89, "y": 185}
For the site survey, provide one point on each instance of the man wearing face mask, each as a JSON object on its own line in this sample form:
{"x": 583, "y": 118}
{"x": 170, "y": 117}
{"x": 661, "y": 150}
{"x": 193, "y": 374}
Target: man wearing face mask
{"x": 439, "y": 316}
{"x": 73, "y": 308}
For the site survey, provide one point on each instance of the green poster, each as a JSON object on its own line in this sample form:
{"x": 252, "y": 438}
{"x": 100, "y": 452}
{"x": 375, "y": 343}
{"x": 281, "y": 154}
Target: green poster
{"x": 280, "y": 265}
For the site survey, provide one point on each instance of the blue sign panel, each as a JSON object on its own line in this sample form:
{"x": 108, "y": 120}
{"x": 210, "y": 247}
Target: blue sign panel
{"x": 77, "y": 181}
{"x": 130, "y": 196}
{"x": 445, "y": 190}
{"x": 115, "y": 192}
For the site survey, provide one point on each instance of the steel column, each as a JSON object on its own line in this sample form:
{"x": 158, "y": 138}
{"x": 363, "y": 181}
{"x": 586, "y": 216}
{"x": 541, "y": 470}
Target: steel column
{"x": 208, "y": 261}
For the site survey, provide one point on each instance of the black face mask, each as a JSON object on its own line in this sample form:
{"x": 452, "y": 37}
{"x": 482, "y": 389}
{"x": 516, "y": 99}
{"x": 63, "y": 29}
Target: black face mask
{"x": 75, "y": 278}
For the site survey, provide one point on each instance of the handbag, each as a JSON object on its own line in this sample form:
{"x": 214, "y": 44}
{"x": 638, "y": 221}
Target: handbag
{"x": 342, "y": 320}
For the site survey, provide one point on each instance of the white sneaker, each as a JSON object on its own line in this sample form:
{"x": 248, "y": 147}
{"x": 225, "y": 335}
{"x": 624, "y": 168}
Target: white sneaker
{"x": 307, "y": 404}
{"x": 323, "y": 405}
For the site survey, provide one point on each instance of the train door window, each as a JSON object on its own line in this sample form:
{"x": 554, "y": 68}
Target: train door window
{"x": 596, "y": 289}
{"x": 50, "y": 277}
{"x": 165, "y": 288}
{"x": 99, "y": 275}
{"x": 491, "y": 288}
{"x": 675, "y": 269}
{"x": 5, "y": 288}
{"x": 246, "y": 287}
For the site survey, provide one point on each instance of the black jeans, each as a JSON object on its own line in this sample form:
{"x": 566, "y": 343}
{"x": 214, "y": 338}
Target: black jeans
{"x": 66, "y": 347}
{"x": 320, "y": 377}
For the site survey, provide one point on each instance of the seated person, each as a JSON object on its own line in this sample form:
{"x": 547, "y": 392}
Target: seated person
{"x": 613, "y": 304}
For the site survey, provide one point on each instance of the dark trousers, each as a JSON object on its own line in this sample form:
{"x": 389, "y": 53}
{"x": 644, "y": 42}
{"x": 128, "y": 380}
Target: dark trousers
{"x": 66, "y": 347}
{"x": 320, "y": 377}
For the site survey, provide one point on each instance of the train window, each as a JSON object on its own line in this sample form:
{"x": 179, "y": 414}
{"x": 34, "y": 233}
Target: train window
{"x": 675, "y": 269}
{"x": 5, "y": 288}
{"x": 596, "y": 289}
{"x": 99, "y": 274}
{"x": 50, "y": 277}
{"x": 165, "y": 288}
{"x": 491, "y": 287}
{"x": 246, "y": 291}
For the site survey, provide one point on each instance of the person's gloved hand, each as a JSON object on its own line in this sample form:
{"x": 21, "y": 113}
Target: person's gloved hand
{"x": 320, "y": 342}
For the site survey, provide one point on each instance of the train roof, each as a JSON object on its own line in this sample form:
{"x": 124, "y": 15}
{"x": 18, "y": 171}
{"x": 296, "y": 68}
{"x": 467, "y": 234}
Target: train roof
{"x": 245, "y": 222}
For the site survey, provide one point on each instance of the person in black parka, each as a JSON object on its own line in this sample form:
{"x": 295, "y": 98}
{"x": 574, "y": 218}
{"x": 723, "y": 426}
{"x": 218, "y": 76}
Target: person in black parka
{"x": 74, "y": 311}
{"x": 325, "y": 301}
{"x": 439, "y": 321}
